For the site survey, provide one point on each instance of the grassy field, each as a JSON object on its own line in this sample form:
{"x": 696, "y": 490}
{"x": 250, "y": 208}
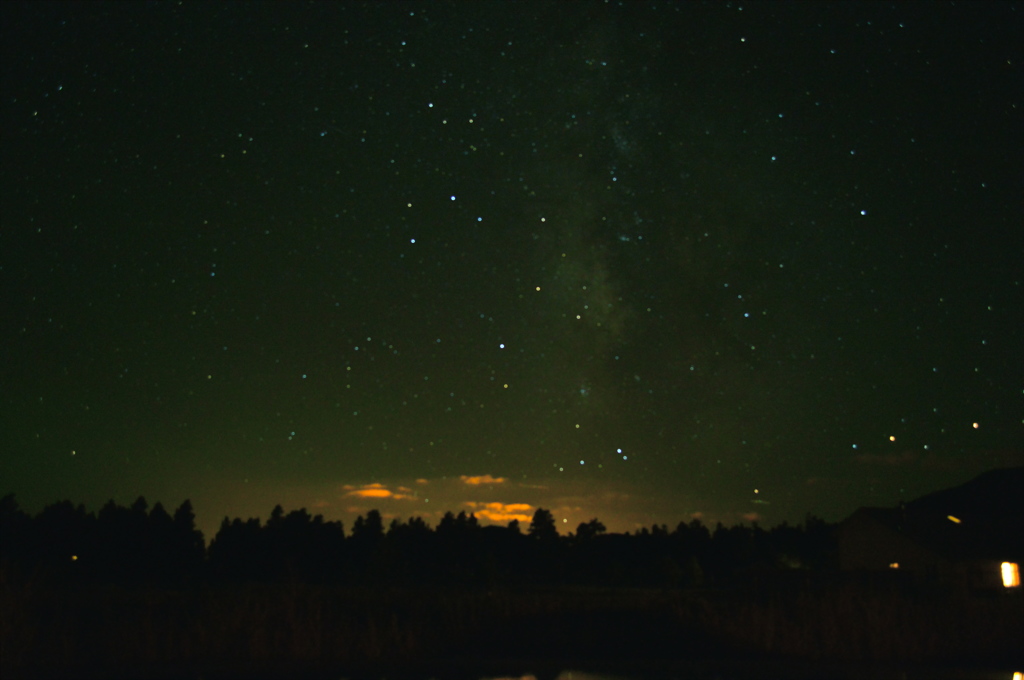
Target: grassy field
{"x": 287, "y": 631}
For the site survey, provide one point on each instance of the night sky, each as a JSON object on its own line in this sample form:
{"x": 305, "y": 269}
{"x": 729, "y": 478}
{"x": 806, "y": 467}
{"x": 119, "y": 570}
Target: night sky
{"x": 637, "y": 261}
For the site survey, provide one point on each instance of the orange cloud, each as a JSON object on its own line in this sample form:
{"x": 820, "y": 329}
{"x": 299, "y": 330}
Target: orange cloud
{"x": 502, "y": 512}
{"x": 376, "y": 490}
{"x": 482, "y": 479}
{"x": 370, "y": 493}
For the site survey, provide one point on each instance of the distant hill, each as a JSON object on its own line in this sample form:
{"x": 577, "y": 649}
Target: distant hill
{"x": 990, "y": 510}
{"x": 995, "y": 492}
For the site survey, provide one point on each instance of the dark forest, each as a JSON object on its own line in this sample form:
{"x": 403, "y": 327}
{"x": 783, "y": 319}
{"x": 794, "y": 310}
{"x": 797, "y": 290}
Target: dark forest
{"x": 143, "y": 546}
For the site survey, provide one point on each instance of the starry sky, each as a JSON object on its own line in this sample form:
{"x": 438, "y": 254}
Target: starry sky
{"x": 643, "y": 262}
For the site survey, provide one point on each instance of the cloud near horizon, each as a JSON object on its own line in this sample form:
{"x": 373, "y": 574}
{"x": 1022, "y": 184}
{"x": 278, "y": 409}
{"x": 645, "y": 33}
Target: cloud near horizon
{"x": 502, "y": 512}
{"x": 377, "y": 490}
{"x": 493, "y": 499}
{"x": 481, "y": 479}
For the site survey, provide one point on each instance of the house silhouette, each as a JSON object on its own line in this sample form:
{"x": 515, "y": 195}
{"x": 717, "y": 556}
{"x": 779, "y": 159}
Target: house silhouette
{"x": 962, "y": 535}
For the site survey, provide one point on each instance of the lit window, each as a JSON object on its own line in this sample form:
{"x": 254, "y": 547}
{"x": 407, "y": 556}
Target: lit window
{"x": 1011, "y": 574}
{"x": 894, "y": 565}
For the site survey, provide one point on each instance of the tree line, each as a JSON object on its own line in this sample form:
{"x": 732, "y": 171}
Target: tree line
{"x": 143, "y": 546}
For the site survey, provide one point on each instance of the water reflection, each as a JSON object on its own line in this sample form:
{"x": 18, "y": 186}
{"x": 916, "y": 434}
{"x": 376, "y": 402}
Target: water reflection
{"x": 566, "y": 675}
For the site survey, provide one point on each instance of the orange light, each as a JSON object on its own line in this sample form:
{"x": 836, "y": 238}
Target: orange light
{"x": 74, "y": 558}
{"x": 954, "y": 520}
{"x": 1011, "y": 574}
{"x": 894, "y": 565}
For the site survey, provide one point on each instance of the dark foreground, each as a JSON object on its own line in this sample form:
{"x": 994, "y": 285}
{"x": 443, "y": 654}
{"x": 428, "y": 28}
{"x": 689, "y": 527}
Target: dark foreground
{"x": 313, "y": 632}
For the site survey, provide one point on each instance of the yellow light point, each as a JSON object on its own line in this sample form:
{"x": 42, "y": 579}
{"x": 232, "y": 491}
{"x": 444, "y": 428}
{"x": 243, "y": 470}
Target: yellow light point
{"x": 892, "y": 438}
{"x": 894, "y": 565}
{"x": 74, "y": 558}
{"x": 537, "y": 289}
{"x": 975, "y": 426}
{"x": 954, "y": 520}
{"x": 1011, "y": 574}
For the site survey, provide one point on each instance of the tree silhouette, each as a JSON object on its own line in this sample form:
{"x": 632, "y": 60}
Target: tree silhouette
{"x": 189, "y": 547}
{"x": 237, "y": 551}
{"x": 369, "y": 529}
{"x": 588, "y": 530}
{"x": 15, "y": 536}
{"x": 542, "y": 527}
{"x": 61, "y": 541}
